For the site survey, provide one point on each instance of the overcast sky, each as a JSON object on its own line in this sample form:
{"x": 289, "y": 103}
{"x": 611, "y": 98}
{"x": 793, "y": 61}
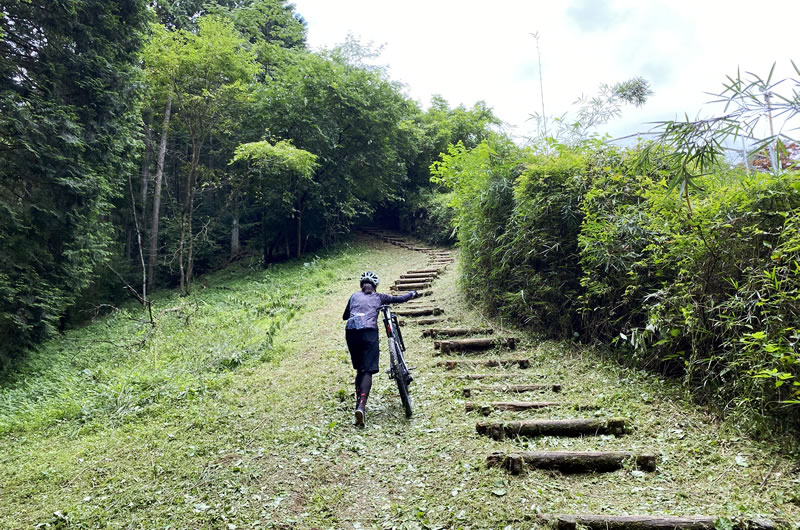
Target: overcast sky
{"x": 471, "y": 50}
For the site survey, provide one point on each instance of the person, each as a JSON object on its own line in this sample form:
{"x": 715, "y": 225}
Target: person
{"x": 361, "y": 334}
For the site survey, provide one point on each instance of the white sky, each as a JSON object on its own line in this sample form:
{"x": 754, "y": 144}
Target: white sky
{"x": 472, "y": 50}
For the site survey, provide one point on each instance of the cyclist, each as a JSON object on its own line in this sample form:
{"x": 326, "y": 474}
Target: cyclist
{"x": 361, "y": 333}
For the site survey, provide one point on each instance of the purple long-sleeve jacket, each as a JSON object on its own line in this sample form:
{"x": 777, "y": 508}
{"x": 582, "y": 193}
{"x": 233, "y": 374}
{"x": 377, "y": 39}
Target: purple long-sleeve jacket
{"x": 366, "y": 307}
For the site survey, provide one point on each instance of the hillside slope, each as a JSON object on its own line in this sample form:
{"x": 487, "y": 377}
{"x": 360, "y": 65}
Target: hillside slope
{"x": 266, "y": 439}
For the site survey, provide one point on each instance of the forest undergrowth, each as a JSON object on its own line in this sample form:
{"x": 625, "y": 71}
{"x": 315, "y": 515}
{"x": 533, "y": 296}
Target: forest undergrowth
{"x": 237, "y": 413}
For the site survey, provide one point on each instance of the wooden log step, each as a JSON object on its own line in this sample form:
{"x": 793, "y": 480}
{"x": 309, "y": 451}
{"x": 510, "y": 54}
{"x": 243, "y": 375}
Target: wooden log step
{"x": 476, "y": 377}
{"x": 570, "y": 427}
{"x": 420, "y": 275}
{"x": 427, "y": 321}
{"x": 421, "y": 249}
{"x": 518, "y": 406}
{"x": 488, "y": 408}
{"x": 491, "y": 363}
{"x": 653, "y": 522}
{"x": 429, "y": 269}
{"x": 570, "y": 461}
{"x": 419, "y": 303}
{"x": 468, "y": 391}
{"x": 411, "y": 286}
{"x": 408, "y": 281}
{"x": 455, "y": 332}
{"x": 447, "y": 346}
{"x": 395, "y": 292}
{"x": 405, "y": 281}
{"x": 418, "y": 312}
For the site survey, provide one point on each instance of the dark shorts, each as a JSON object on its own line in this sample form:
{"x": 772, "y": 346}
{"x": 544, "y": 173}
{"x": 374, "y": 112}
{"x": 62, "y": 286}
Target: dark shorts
{"x": 363, "y": 346}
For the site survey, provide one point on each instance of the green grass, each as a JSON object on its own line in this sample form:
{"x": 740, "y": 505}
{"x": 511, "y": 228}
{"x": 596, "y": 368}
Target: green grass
{"x": 219, "y": 423}
{"x": 119, "y": 368}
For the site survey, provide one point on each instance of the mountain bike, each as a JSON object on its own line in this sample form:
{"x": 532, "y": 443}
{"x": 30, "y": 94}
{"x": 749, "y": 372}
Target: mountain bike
{"x": 398, "y": 369}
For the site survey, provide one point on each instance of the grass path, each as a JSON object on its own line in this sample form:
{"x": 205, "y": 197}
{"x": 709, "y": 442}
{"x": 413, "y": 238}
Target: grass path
{"x": 270, "y": 444}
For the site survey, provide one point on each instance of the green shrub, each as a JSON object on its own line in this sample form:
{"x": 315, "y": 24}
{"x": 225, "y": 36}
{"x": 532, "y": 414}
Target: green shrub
{"x": 574, "y": 243}
{"x": 538, "y": 254}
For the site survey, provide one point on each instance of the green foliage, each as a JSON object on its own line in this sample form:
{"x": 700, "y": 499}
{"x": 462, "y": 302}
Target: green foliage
{"x": 280, "y": 177}
{"x": 272, "y": 22}
{"x": 278, "y": 159}
{"x": 692, "y": 149}
{"x": 353, "y": 119}
{"x": 79, "y": 104}
{"x": 69, "y": 108}
{"x": 482, "y": 196}
{"x": 441, "y": 126}
{"x": 428, "y": 215}
{"x": 580, "y": 244}
{"x": 590, "y": 113}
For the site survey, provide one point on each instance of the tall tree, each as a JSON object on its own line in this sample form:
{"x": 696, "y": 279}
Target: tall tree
{"x": 69, "y": 113}
{"x": 352, "y": 118}
{"x": 280, "y": 177}
{"x": 202, "y": 75}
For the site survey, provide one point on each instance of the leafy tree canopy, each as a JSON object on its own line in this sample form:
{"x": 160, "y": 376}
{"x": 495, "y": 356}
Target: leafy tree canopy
{"x": 68, "y": 117}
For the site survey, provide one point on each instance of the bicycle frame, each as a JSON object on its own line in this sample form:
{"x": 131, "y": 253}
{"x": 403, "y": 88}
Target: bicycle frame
{"x": 398, "y": 369}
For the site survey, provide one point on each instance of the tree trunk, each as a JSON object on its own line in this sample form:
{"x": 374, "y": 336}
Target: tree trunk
{"x": 264, "y": 237}
{"x": 299, "y": 233}
{"x": 180, "y": 254}
{"x": 162, "y": 151}
{"x": 143, "y": 299}
{"x": 235, "y": 244}
{"x": 187, "y": 231}
{"x": 145, "y": 185}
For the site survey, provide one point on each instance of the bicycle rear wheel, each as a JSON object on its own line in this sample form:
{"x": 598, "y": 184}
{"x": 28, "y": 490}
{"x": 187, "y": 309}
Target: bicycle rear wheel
{"x": 400, "y": 378}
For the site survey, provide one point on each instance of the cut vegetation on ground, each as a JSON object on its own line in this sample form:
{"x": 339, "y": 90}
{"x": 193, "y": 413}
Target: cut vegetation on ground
{"x": 237, "y": 412}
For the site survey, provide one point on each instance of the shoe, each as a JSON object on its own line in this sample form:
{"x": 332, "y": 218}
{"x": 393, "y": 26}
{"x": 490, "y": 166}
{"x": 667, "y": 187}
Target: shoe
{"x": 361, "y": 416}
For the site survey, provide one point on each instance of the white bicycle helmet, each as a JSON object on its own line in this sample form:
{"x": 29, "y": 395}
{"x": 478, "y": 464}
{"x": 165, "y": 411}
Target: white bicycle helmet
{"x": 370, "y": 277}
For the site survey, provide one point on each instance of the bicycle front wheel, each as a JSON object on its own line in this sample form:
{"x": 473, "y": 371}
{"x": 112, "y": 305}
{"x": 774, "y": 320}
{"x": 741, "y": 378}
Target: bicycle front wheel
{"x": 399, "y": 377}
